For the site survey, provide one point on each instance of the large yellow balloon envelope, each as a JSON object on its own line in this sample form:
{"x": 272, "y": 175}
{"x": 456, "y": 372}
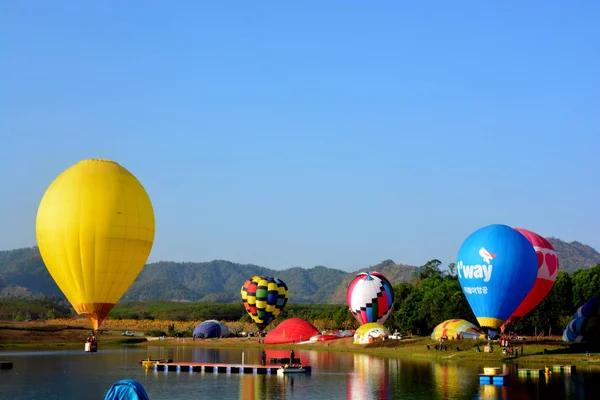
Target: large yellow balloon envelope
{"x": 95, "y": 230}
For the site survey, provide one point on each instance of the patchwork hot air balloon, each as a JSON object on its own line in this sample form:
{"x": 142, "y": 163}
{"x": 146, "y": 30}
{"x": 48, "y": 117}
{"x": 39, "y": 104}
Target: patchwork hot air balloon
{"x": 95, "y": 230}
{"x": 370, "y": 297}
{"x": 547, "y": 264}
{"x": 264, "y": 297}
{"x": 585, "y": 325}
{"x": 496, "y": 267}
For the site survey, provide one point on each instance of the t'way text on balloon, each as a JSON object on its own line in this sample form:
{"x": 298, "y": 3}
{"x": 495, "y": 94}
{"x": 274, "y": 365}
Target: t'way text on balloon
{"x": 474, "y": 271}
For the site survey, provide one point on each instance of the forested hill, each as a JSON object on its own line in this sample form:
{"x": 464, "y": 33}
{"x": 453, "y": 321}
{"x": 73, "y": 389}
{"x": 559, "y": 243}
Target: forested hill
{"x": 23, "y": 275}
{"x": 574, "y": 255}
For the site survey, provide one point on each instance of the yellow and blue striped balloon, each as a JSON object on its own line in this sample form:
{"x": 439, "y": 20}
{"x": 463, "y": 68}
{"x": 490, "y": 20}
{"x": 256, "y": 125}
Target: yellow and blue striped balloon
{"x": 264, "y": 297}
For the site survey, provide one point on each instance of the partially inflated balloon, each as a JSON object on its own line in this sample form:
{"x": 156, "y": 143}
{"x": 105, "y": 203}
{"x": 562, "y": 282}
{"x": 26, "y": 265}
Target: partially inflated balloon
{"x": 585, "y": 325}
{"x": 547, "y": 263}
{"x": 496, "y": 267}
{"x": 455, "y": 327}
{"x": 95, "y": 230}
{"x": 370, "y": 297}
{"x": 264, "y": 297}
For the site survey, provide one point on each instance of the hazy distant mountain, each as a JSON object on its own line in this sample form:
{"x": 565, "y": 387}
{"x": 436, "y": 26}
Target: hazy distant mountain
{"x": 396, "y": 273}
{"x": 574, "y": 255}
{"x": 23, "y": 275}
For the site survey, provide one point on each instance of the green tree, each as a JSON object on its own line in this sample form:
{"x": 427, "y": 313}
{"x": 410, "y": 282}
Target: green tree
{"x": 19, "y": 317}
{"x": 452, "y": 268}
{"x": 549, "y": 315}
{"x": 586, "y": 284}
{"x": 430, "y": 269}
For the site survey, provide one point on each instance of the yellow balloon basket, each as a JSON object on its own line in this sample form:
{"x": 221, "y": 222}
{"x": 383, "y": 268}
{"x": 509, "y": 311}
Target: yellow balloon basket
{"x": 492, "y": 371}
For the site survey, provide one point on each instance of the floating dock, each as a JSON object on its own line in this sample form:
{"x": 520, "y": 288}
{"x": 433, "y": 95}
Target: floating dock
{"x": 527, "y": 372}
{"x": 495, "y": 379}
{"x": 6, "y": 364}
{"x": 492, "y": 375}
{"x": 563, "y": 368}
{"x": 215, "y": 368}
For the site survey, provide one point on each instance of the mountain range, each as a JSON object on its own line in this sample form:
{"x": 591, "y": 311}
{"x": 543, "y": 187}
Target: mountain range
{"x": 24, "y": 275}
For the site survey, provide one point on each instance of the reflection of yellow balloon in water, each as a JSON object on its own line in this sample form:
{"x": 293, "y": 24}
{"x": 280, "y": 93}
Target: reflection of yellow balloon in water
{"x": 95, "y": 230}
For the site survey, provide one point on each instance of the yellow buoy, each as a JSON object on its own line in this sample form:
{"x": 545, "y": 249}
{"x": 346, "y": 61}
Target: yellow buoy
{"x": 491, "y": 371}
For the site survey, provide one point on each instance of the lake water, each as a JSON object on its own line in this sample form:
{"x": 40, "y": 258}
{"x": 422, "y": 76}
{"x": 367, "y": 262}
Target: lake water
{"x": 74, "y": 374}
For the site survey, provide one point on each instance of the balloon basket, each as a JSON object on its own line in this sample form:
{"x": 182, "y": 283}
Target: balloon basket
{"x": 91, "y": 347}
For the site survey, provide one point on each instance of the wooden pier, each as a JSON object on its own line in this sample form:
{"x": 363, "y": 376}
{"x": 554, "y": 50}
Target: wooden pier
{"x": 563, "y": 368}
{"x": 215, "y": 368}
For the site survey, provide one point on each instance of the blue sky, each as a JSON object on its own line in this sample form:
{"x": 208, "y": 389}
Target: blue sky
{"x": 336, "y": 133}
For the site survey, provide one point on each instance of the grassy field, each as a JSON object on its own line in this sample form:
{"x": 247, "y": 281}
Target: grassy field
{"x": 557, "y": 351}
{"x": 36, "y": 334}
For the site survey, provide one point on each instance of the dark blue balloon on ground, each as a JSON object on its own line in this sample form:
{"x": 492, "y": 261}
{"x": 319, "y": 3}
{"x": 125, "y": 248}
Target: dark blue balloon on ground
{"x": 496, "y": 267}
{"x": 585, "y": 325}
{"x": 210, "y": 329}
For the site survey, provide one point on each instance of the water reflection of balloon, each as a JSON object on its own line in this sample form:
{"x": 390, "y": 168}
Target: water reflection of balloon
{"x": 370, "y": 297}
{"x": 264, "y": 297}
{"x": 95, "y": 230}
{"x": 548, "y": 266}
{"x": 496, "y": 267}
{"x": 252, "y": 386}
{"x": 370, "y": 379}
{"x": 448, "y": 379}
{"x": 495, "y": 392}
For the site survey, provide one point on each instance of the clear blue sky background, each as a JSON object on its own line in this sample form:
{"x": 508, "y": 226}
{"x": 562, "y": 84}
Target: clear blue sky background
{"x": 303, "y": 133}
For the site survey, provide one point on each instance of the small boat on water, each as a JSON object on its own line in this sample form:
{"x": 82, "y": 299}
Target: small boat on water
{"x": 292, "y": 369}
{"x": 150, "y": 363}
{"x": 155, "y": 360}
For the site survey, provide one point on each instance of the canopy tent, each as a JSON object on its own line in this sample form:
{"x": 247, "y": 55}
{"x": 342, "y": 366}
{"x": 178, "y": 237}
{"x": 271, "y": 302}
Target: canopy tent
{"x": 454, "y": 327}
{"x": 369, "y": 332}
{"x": 291, "y": 330}
{"x": 126, "y": 389}
{"x": 211, "y": 329}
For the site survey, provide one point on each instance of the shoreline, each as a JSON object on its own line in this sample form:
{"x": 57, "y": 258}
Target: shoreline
{"x": 35, "y": 336}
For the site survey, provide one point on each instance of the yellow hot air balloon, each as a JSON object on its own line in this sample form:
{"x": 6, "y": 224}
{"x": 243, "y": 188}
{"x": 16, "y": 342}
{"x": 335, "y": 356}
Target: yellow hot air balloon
{"x": 95, "y": 230}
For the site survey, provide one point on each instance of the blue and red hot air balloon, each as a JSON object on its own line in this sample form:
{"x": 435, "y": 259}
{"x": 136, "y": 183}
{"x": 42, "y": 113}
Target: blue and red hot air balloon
{"x": 547, "y": 270}
{"x": 496, "y": 267}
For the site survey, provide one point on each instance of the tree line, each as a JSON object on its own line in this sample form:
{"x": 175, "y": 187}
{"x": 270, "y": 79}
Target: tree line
{"x": 431, "y": 298}
{"x": 437, "y": 296}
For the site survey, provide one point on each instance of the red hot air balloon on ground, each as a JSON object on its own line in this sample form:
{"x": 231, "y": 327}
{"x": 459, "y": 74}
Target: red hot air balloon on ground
{"x": 547, "y": 272}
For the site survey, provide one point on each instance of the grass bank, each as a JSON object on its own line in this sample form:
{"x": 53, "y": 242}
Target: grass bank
{"x": 547, "y": 351}
{"x": 550, "y": 351}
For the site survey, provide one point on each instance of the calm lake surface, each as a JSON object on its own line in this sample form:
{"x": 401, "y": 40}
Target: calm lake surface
{"x": 74, "y": 374}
